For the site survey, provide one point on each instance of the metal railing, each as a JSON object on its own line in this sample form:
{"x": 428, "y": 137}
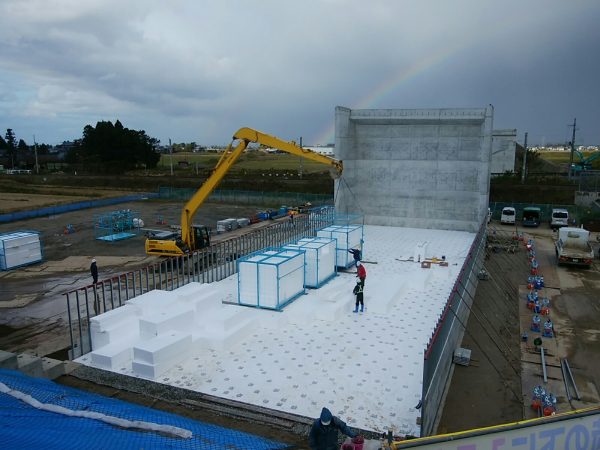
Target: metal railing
{"x": 238, "y": 197}
{"x": 448, "y": 334}
{"x": 210, "y": 264}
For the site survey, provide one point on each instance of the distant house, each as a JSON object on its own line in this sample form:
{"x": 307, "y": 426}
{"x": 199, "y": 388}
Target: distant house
{"x": 328, "y": 150}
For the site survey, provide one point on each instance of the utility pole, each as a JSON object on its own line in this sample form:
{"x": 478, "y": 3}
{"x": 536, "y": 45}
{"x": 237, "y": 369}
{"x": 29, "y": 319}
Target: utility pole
{"x": 301, "y": 162}
{"x": 524, "y": 160}
{"x": 171, "y": 155}
{"x": 37, "y": 166}
{"x": 572, "y": 147}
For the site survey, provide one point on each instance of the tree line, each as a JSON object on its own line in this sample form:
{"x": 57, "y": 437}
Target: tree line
{"x": 105, "y": 148}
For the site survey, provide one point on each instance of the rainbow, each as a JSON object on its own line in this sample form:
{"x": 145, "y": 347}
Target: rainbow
{"x": 381, "y": 91}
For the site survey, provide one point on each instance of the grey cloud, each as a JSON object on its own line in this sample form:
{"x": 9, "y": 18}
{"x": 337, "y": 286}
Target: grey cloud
{"x": 202, "y": 69}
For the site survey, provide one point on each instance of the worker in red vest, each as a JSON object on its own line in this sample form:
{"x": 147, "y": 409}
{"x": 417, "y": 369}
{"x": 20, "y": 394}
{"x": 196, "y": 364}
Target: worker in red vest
{"x": 361, "y": 272}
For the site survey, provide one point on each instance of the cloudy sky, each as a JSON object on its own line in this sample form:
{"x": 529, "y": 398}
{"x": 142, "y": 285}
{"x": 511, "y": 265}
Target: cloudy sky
{"x": 197, "y": 70}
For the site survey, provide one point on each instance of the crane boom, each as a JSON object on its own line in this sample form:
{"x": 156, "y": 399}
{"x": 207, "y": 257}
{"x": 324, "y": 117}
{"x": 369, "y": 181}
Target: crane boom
{"x": 243, "y": 136}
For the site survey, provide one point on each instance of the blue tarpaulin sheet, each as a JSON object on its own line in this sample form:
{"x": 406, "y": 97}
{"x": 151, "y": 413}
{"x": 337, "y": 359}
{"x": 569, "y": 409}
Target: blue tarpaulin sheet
{"x": 26, "y": 427}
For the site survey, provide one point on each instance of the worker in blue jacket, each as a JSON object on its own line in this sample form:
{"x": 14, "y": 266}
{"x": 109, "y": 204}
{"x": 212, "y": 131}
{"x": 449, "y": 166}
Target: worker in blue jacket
{"x": 356, "y": 254}
{"x": 324, "y": 432}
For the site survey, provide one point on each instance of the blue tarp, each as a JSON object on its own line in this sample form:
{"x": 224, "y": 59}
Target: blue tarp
{"x": 25, "y": 427}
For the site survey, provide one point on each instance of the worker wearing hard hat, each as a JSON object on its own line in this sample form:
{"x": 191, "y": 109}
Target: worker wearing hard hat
{"x": 324, "y": 432}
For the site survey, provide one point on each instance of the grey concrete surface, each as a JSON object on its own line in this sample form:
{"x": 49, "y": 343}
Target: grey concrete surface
{"x": 504, "y": 144}
{"x": 425, "y": 168}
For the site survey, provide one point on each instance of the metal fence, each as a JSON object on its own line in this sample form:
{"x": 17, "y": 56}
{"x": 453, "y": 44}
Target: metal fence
{"x": 270, "y": 199}
{"x": 579, "y": 213}
{"x": 589, "y": 181}
{"x": 60, "y": 209}
{"x": 448, "y": 334}
{"x": 213, "y": 263}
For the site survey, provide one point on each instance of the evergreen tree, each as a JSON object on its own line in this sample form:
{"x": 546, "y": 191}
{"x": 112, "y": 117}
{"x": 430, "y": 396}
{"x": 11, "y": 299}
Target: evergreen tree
{"x": 11, "y": 143}
{"x": 114, "y": 148}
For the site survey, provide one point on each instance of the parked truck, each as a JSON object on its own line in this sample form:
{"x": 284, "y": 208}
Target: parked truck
{"x": 573, "y": 247}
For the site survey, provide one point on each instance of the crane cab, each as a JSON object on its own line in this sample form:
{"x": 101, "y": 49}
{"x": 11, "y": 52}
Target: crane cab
{"x": 201, "y": 236}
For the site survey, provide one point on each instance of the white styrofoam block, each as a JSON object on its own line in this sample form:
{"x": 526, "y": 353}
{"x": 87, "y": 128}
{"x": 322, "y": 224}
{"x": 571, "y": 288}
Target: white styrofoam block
{"x": 201, "y": 297}
{"x": 194, "y": 290}
{"x": 148, "y": 371}
{"x": 224, "y": 339}
{"x": 124, "y": 331}
{"x": 346, "y": 237}
{"x": 291, "y": 285}
{"x": 248, "y": 283}
{"x": 267, "y": 286}
{"x": 114, "y": 317}
{"x": 151, "y": 300}
{"x": 113, "y": 356}
{"x": 178, "y": 317}
{"x": 164, "y": 348}
{"x": 18, "y": 249}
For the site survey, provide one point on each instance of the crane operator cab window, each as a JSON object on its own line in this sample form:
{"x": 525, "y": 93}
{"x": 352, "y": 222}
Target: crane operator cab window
{"x": 201, "y": 236}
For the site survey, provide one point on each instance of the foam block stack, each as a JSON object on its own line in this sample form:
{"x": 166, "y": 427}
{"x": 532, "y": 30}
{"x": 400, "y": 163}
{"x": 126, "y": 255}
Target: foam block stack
{"x": 20, "y": 248}
{"x": 270, "y": 278}
{"x": 320, "y": 259}
{"x": 346, "y": 237}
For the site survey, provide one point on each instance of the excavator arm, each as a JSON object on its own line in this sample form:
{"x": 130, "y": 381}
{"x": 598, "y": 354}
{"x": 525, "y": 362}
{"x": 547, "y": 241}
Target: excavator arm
{"x": 243, "y": 136}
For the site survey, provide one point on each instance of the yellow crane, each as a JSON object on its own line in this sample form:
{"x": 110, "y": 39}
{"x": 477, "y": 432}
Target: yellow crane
{"x": 197, "y": 237}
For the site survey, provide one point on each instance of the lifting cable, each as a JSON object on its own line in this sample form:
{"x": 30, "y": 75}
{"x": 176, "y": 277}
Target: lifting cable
{"x": 354, "y": 198}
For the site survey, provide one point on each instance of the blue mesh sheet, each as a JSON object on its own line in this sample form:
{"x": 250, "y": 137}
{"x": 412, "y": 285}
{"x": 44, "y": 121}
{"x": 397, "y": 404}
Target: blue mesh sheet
{"x": 23, "y": 426}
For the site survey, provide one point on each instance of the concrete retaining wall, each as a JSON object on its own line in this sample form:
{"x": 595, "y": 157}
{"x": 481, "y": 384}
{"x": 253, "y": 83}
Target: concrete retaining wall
{"x": 424, "y": 168}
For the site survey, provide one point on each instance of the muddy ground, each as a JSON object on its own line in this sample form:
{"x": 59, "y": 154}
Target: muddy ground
{"x": 493, "y": 389}
{"x": 32, "y": 304}
{"x": 497, "y": 386}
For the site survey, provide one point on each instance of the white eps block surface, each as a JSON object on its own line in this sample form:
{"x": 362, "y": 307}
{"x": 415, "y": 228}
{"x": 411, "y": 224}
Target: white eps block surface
{"x": 152, "y": 357}
{"x": 113, "y": 356}
{"x": 115, "y": 325}
{"x": 367, "y": 368}
{"x": 114, "y": 318}
{"x": 176, "y": 317}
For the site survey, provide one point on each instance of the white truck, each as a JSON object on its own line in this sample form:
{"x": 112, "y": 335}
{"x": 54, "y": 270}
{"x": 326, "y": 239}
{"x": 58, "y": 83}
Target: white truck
{"x": 573, "y": 247}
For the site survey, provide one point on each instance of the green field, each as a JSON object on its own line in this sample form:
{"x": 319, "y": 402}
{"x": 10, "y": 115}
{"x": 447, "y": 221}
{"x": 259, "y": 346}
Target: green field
{"x": 563, "y": 158}
{"x": 254, "y": 161}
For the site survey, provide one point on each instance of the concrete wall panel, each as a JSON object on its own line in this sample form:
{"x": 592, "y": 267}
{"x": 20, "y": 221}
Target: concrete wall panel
{"x": 504, "y": 144}
{"x": 415, "y": 168}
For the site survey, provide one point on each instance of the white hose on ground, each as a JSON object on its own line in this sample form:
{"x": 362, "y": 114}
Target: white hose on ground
{"x": 123, "y": 423}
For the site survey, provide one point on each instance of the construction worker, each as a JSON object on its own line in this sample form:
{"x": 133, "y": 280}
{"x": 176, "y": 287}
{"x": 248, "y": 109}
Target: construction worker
{"x": 356, "y": 253}
{"x": 324, "y": 432}
{"x": 358, "y": 291}
{"x": 94, "y": 271}
{"x": 361, "y": 272}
